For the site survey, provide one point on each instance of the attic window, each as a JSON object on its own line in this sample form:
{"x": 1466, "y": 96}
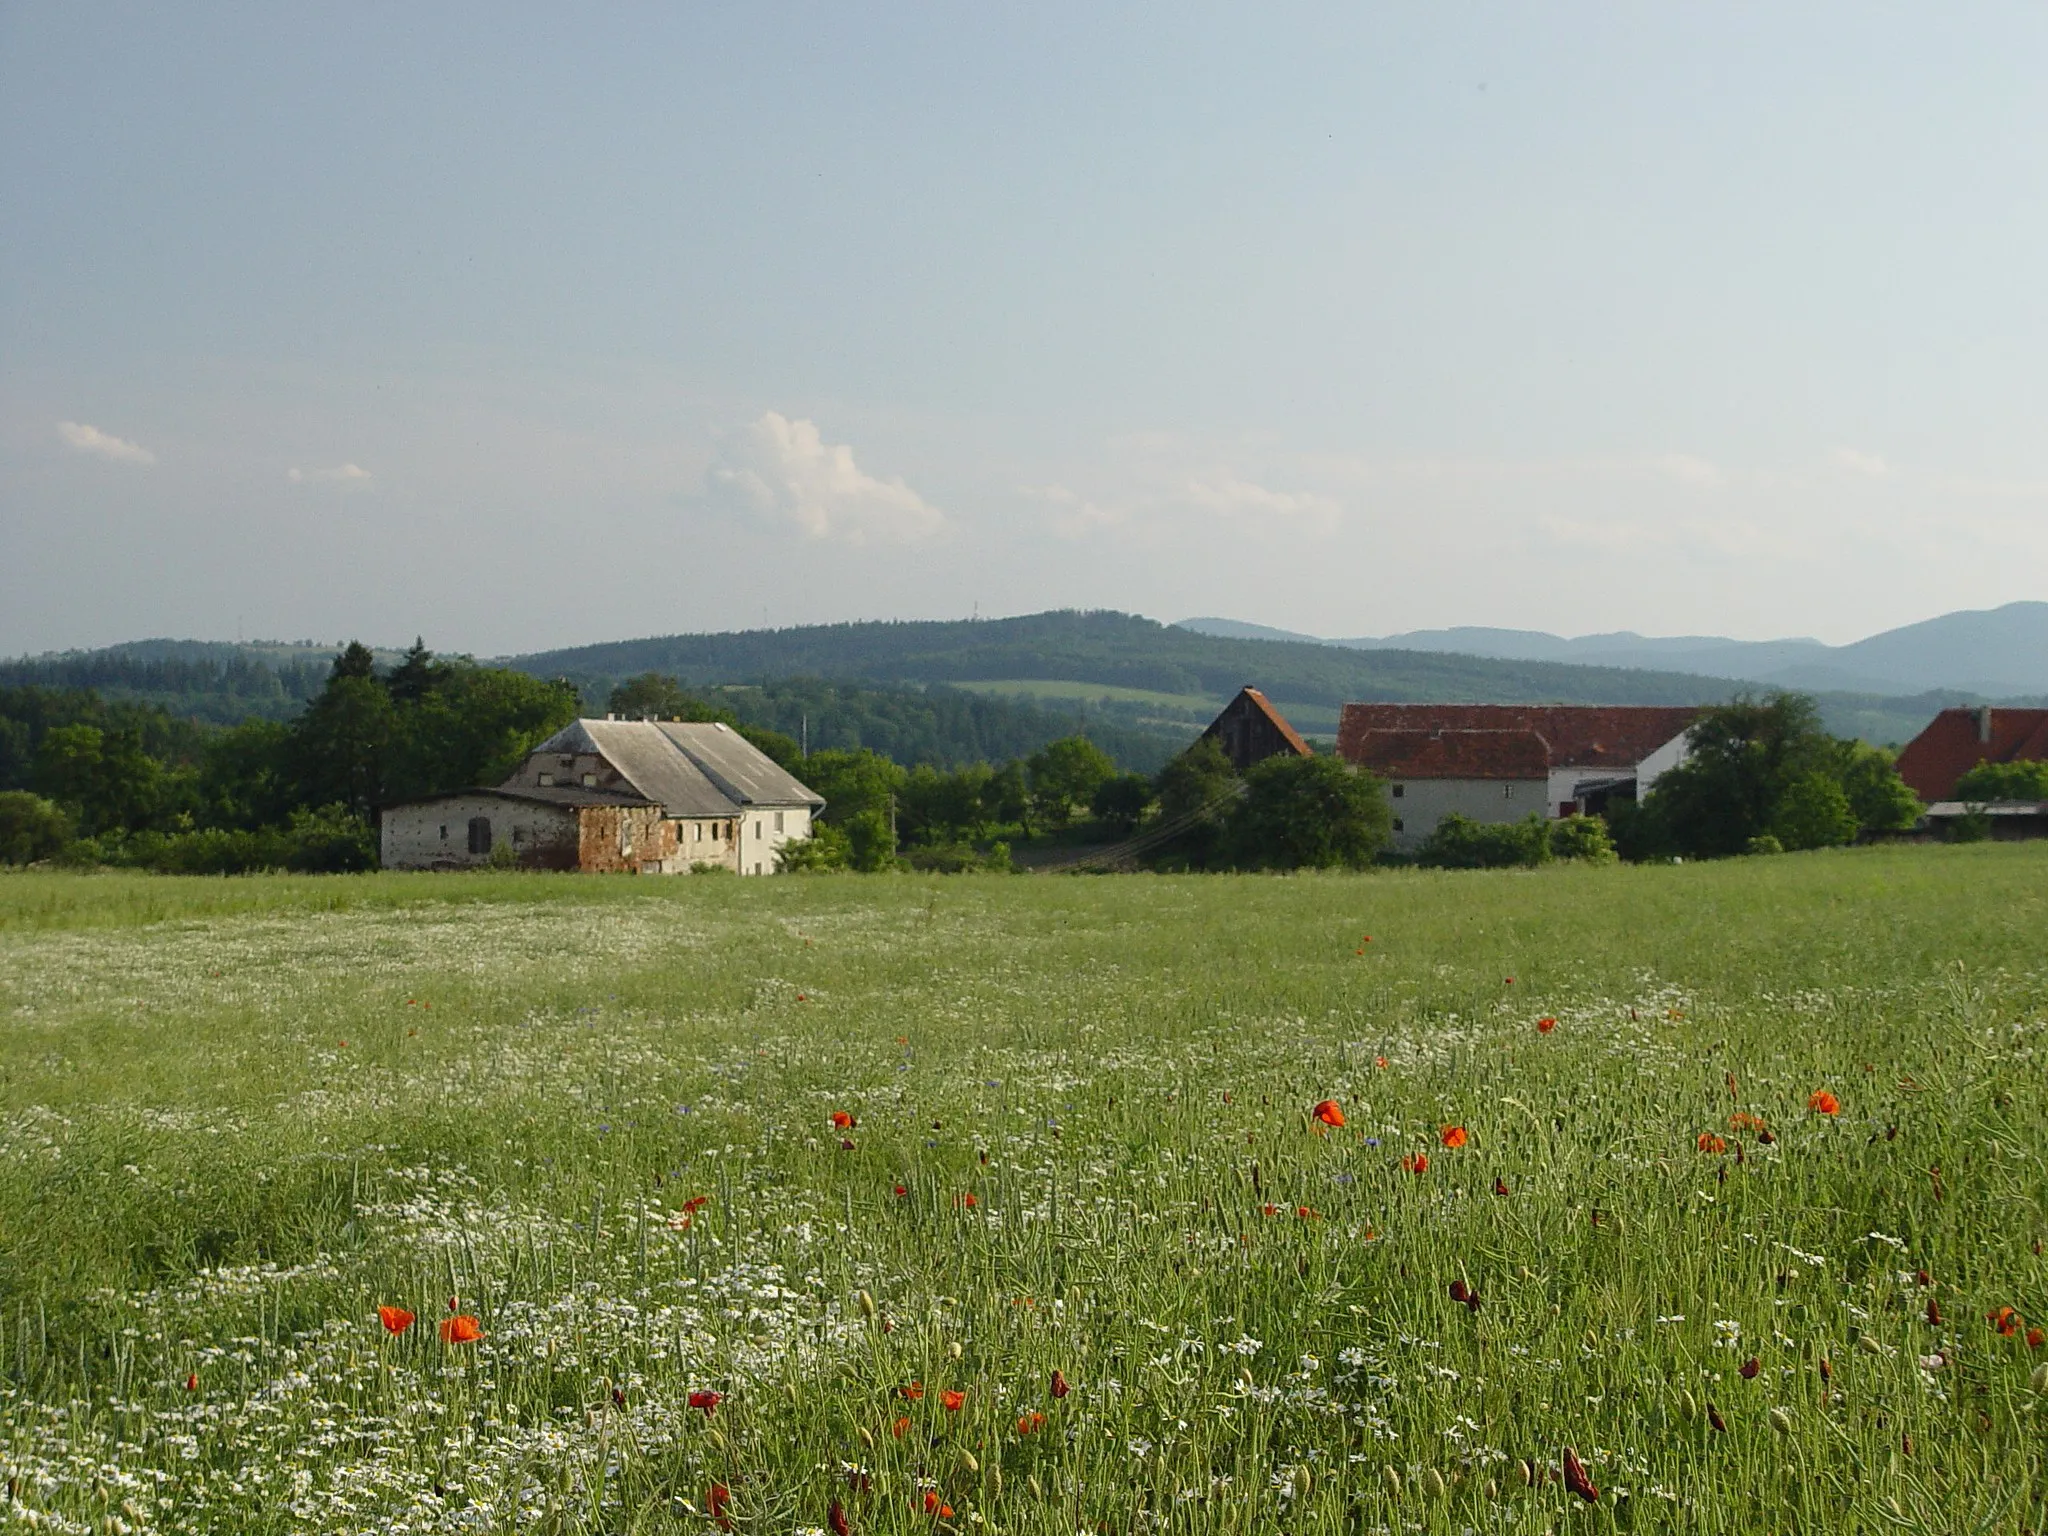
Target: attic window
{"x": 719, "y": 723}
{"x": 1399, "y": 790}
{"x": 590, "y": 781}
{"x": 1507, "y": 791}
{"x": 1398, "y": 826}
{"x": 547, "y": 781}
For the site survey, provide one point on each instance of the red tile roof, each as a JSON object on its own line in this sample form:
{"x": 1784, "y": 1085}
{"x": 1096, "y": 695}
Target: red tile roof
{"x": 1452, "y": 754}
{"x": 1954, "y": 743}
{"x": 1579, "y": 736}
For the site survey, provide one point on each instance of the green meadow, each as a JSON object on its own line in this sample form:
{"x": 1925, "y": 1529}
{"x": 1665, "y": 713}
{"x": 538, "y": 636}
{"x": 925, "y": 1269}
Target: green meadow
{"x": 1078, "y": 1255}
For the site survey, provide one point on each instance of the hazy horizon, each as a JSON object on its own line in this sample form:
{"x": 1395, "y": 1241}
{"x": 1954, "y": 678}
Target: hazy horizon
{"x": 518, "y": 331}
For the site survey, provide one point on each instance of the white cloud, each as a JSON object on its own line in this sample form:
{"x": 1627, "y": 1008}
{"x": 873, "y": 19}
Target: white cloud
{"x": 783, "y": 469}
{"x": 339, "y": 474}
{"x": 87, "y": 439}
{"x": 1164, "y": 504}
{"x": 1861, "y": 463}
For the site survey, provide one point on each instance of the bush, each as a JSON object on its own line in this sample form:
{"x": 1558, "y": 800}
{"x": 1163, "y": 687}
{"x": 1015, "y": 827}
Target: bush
{"x": 31, "y": 828}
{"x": 1458, "y": 842}
{"x": 827, "y": 848}
{"x": 1308, "y": 813}
{"x": 1814, "y": 813}
{"x": 2024, "y": 780}
{"x": 1582, "y": 837}
{"x": 1764, "y": 843}
{"x": 959, "y": 859}
{"x": 1120, "y": 803}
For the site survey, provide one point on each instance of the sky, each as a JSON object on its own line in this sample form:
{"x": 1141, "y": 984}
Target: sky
{"x": 520, "y": 326}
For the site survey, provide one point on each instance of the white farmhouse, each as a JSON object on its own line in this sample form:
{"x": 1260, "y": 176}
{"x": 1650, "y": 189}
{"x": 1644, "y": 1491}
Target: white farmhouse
{"x": 650, "y": 796}
{"x": 1499, "y": 762}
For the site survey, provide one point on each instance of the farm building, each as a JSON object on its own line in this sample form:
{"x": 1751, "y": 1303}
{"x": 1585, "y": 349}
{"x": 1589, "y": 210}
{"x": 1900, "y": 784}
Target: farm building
{"x": 1957, "y": 740}
{"x": 1499, "y": 762}
{"x": 1250, "y": 730}
{"x": 649, "y": 796}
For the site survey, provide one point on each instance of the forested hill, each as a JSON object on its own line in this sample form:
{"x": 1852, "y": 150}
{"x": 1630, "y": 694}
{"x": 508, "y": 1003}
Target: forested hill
{"x": 1115, "y": 650}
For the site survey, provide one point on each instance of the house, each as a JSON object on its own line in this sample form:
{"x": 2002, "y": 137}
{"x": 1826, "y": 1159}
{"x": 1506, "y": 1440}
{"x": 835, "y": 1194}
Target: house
{"x": 1957, "y": 740}
{"x": 1500, "y": 762}
{"x": 649, "y": 796}
{"x": 1250, "y": 730}
{"x": 2001, "y": 820}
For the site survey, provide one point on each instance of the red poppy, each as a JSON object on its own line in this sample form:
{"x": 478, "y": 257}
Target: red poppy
{"x": 1711, "y": 1144}
{"x": 902, "y": 1189}
{"x": 1933, "y": 1313}
{"x": 1365, "y": 939}
{"x": 1453, "y": 1136}
{"x": 1029, "y": 1422}
{"x": 934, "y": 1506}
{"x": 1464, "y": 1295}
{"x": 1308, "y": 1213}
{"x": 912, "y": 1392}
{"x": 696, "y": 1203}
{"x": 842, "y": 1121}
{"x": 1416, "y": 1162}
{"x": 1507, "y": 981}
{"x": 1500, "y": 1187}
{"x": 952, "y": 1401}
{"x": 1743, "y": 1120}
{"x": 1059, "y": 1385}
{"x": 1380, "y": 1062}
{"x": 1749, "y": 1368}
{"x": 967, "y": 1200}
{"x": 1821, "y": 1102}
{"x": 899, "y": 1428}
{"x": 1269, "y": 1210}
{"x": 395, "y": 1319}
{"x": 1575, "y": 1477}
{"x": 192, "y": 1382}
{"x": 1329, "y": 1114}
{"x": 2005, "y": 1320}
{"x": 2036, "y": 1338}
{"x": 846, "y": 1144}
{"x": 1545, "y": 1025}
{"x": 461, "y": 1329}
{"x": 716, "y": 1498}
{"x": 706, "y": 1402}
{"x": 835, "y": 1517}
{"x": 1714, "y": 1418}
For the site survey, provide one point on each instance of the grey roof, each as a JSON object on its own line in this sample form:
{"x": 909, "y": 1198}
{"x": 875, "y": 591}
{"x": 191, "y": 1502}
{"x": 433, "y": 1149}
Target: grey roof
{"x": 693, "y": 769}
{"x": 559, "y": 794}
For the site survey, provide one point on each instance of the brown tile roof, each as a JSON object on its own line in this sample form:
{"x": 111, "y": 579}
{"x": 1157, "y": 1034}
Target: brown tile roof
{"x": 1452, "y": 754}
{"x": 1579, "y": 736}
{"x": 1953, "y": 744}
{"x": 1265, "y": 707}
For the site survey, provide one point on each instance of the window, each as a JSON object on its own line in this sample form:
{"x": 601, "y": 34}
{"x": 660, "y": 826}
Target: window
{"x": 547, "y": 781}
{"x": 700, "y": 830}
{"x": 479, "y": 835}
{"x": 757, "y": 868}
{"x": 590, "y": 781}
{"x": 444, "y": 834}
{"x": 778, "y": 821}
{"x": 1507, "y": 791}
{"x": 757, "y": 832}
{"x": 1399, "y": 789}
{"x": 1397, "y": 825}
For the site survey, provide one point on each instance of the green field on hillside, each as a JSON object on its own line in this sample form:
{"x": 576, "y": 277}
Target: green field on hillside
{"x": 1001, "y": 1204}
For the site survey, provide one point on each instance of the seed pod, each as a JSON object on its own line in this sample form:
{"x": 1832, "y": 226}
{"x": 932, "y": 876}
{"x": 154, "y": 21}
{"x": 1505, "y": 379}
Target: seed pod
{"x": 1393, "y": 1477}
{"x": 1435, "y": 1482}
{"x": 1869, "y": 1345}
{"x": 1492, "y": 1491}
{"x": 866, "y": 1303}
{"x": 1033, "y": 1487}
{"x": 967, "y": 1462}
{"x": 1526, "y": 1472}
{"x": 2039, "y": 1380}
{"x": 995, "y": 1482}
{"x": 867, "y": 1440}
{"x": 1781, "y": 1421}
{"x": 1304, "y": 1483}
{"x": 1688, "y": 1406}
{"x": 790, "y": 1388}
{"x": 953, "y": 1350}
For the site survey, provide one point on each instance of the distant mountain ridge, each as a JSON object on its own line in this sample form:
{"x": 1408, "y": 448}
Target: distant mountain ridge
{"x": 1992, "y": 651}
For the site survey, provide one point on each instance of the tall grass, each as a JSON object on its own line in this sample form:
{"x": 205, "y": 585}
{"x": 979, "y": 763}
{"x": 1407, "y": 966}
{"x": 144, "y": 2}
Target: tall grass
{"x": 237, "y": 1116}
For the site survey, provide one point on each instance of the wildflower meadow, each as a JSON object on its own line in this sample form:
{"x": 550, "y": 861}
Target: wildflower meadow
{"x": 1708, "y": 1198}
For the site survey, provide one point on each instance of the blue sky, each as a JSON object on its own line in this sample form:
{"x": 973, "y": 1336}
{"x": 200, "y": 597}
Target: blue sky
{"x": 522, "y": 326}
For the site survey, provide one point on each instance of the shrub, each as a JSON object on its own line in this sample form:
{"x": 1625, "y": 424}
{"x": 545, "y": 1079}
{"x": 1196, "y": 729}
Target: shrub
{"x": 1458, "y": 842}
{"x": 827, "y": 848}
{"x": 1582, "y": 837}
{"x": 1308, "y": 813}
{"x": 1120, "y": 803}
{"x": 31, "y": 828}
{"x": 1814, "y": 812}
{"x": 1764, "y": 843}
{"x": 2024, "y": 780}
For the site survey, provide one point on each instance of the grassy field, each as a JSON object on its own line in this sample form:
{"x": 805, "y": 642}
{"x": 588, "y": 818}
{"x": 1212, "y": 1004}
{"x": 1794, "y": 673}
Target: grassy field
{"x": 1080, "y": 1153}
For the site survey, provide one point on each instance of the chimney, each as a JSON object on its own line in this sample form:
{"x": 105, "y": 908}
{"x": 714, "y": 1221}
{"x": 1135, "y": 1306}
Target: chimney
{"x": 1984, "y": 723}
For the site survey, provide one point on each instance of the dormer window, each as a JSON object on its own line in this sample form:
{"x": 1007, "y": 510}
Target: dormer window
{"x": 547, "y": 781}
{"x": 590, "y": 781}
